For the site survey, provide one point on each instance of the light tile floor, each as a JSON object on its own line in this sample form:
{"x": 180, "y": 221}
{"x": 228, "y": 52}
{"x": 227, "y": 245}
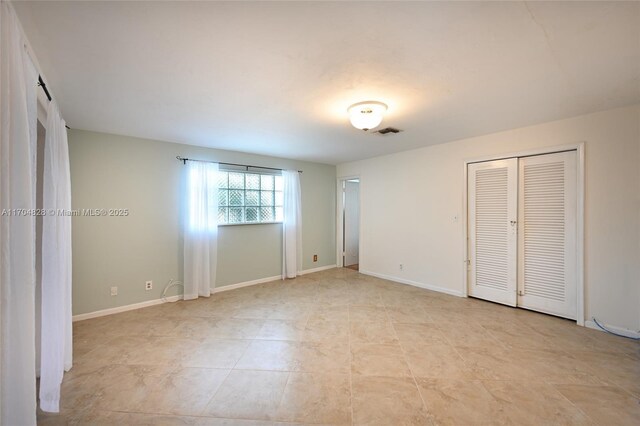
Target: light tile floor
{"x": 339, "y": 347}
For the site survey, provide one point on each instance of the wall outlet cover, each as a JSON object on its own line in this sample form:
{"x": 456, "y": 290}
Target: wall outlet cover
{"x": 114, "y": 291}
{"x": 148, "y": 285}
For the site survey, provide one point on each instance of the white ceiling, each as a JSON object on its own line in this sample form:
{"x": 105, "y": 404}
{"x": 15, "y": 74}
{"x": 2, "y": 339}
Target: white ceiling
{"x": 277, "y": 78}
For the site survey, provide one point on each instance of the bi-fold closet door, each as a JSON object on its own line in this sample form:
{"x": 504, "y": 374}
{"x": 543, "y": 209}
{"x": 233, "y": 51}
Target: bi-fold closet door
{"x": 522, "y": 232}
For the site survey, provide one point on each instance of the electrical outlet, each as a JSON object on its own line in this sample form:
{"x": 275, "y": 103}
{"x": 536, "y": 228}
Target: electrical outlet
{"x": 401, "y": 267}
{"x": 148, "y": 285}
{"x": 315, "y": 257}
{"x": 114, "y": 291}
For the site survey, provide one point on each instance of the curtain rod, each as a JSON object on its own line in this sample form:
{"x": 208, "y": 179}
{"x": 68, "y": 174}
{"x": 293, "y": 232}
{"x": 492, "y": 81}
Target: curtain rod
{"x": 246, "y": 166}
{"x": 44, "y": 87}
{"x": 42, "y": 84}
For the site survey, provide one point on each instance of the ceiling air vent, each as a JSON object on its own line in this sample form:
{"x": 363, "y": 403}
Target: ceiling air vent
{"x": 388, "y": 130}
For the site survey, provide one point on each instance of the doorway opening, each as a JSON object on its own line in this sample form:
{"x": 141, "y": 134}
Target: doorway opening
{"x": 349, "y": 228}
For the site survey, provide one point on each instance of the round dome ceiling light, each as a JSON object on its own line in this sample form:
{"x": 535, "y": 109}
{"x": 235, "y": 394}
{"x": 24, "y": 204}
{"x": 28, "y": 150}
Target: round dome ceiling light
{"x": 367, "y": 115}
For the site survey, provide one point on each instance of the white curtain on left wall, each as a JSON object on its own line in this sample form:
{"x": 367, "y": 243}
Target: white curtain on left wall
{"x": 291, "y": 225}
{"x": 18, "y": 135}
{"x": 56, "y": 334}
{"x": 201, "y": 229}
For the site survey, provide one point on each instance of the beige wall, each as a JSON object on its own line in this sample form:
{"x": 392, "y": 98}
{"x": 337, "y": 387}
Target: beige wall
{"x": 410, "y": 202}
{"x": 109, "y": 171}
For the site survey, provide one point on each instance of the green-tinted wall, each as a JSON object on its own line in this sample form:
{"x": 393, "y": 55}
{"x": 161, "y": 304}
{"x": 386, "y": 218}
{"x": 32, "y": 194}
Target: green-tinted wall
{"x": 109, "y": 171}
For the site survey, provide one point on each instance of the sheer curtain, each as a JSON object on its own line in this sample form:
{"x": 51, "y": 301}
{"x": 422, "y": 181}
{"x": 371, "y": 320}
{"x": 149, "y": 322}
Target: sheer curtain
{"x": 291, "y": 225}
{"x": 18, "y": 133}
{"x": 201, "y": 229}
{"x": 56, "y": 335}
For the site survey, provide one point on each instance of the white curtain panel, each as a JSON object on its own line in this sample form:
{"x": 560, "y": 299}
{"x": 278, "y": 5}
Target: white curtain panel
{"x": 56, "y": 335}
{"x": 291, "y": 225}
{"x": 201, "y": 229}
{"x": 18, "y": 133}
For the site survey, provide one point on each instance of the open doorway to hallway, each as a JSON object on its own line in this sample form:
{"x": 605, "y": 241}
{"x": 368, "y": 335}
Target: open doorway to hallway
{"x": 351, "y": 223}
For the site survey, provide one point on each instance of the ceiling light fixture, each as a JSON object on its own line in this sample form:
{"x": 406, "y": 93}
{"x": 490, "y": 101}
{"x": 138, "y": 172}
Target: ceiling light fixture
{"x": 367, "y": 115}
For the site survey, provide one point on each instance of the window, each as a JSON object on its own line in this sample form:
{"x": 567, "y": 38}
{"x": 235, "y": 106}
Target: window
{"x": 246, "y": 197}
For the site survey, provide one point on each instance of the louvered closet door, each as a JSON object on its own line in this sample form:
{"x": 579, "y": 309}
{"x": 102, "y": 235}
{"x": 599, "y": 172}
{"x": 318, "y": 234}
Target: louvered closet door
{"x": 547, "y": 236}
{"x": 492, "y": 204}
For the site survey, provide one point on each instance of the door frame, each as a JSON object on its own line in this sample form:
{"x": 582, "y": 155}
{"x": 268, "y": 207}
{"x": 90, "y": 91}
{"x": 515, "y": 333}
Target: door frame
{"x": 580, "y": 173}
{"x": 340, "y": 219}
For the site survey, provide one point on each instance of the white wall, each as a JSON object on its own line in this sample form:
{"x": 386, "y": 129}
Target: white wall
{"x": 411, "y": 208}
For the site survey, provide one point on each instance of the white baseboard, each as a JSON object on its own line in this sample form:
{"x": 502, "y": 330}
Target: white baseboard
{"x": 321, "y": 268}
{"x": 117, "y": 310}
{"x": 619, "y": 330}
{"x": 268, "y": 279}
{"x": 414, "y": 283}
{"x": 245, "y": 284}
{"x": 125, "y": 308}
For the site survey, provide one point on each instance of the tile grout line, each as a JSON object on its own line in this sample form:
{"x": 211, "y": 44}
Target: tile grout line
{"x": 284, "y": 389}
{"x": 413, "y": 376}
{"x": 572, "y": 404}
{"x": 228, "y": 374}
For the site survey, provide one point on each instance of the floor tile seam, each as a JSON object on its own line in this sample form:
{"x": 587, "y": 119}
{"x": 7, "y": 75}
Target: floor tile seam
{"x": 202, "y": 416}
{"x": 527, "y": 327}
{"x": 616, "y": 384}
{"x": 286, "y": 370}
{"x": 413, "y": 377}
{"x": 446, "y": 339}
{"x": 591, "y": 371}
{"x": 631, "y": 356}
{"x": 284, "y": 389}
{"x": 555, "y": 388}
{"x": 160, "y": 379}
{"x": 217, "y": 390}
{"x": 502, "y": 345}
{"x": 308, "y": 315}
{"x": 483, "y": 383}
{"x": 290, "y": 341}
{"x": 226, "y": 377}
{"x": 465, "y": 362}
{"x": 351, "y": 398}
